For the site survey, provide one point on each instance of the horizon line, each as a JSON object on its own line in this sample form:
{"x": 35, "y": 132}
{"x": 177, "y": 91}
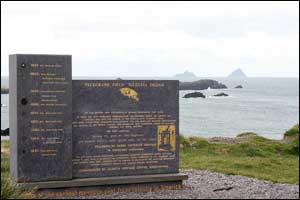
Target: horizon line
{"x": 174, "y": 75}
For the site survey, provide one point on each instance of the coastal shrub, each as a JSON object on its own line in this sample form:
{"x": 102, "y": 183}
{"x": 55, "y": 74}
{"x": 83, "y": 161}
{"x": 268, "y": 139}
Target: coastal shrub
{"x": 8, "y": 189}
{"x": 292, "y": 148}
{"x": 195, "y": 142}
{"x": 198, "y": 142}
{"x": 4, "y": 165}
{"x": 246, "y": 149}
{"x": 246, "y": 134}
{"x": 268, "y": 146}
{"x": 184, "y": 142}
{"x": 5, "y": 144}
{"x": 292, "y": 132}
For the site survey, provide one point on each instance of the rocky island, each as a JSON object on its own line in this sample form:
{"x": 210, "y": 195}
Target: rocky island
{"x": 186, "y": 76}
{"x": 222, "y": 94}
{"x": 238, "y": 73}
{"x": 4, "y": 90}
{"x": 193, "y": 95}
{"x": 202, "y": 84}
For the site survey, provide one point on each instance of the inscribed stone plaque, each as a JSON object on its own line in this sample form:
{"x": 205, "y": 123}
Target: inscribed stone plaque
{"x": 123, "y": 127}
{"x": 40, "y": 117}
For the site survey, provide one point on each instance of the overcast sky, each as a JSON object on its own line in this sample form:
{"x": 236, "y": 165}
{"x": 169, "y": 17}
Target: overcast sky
{"x": 157, "y": 39}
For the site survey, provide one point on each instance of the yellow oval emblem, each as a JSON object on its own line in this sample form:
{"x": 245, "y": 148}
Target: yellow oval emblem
{"x": 130, "y": 93}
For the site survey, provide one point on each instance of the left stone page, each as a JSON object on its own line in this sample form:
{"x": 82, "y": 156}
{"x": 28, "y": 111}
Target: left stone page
{"x": 40, "y": 117}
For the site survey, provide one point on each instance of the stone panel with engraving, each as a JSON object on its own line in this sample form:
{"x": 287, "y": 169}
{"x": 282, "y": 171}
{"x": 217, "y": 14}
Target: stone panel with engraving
{"x": 40, "y": 117}
{"x": 124, "y": 127}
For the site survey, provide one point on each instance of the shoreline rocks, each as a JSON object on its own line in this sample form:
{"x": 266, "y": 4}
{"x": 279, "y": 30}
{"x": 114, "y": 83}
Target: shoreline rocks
{"x": 222, "y": 94}
{"x": 194, "y": 95}
{"x": 4, "y": 90}
{"x": 238, "y": 86}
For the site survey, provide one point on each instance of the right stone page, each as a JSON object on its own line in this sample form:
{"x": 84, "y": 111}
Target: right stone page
{"x": 124, "y": 127}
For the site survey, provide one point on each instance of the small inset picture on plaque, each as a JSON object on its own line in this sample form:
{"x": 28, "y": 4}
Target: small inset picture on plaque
{"x": 166, "y": 138}
{"x": 130, "y": 93}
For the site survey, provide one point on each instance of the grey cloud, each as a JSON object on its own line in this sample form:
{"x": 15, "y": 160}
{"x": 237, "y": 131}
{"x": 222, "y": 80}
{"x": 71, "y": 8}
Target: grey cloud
{"x": 231, "y": 26}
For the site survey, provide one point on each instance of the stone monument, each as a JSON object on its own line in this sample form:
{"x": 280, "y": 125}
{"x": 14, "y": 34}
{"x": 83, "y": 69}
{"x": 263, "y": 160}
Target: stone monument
{"x": 110, "y": 135}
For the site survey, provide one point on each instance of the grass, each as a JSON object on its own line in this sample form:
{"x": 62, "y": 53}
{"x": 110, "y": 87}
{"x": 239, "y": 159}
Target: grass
{"x": 8, "y": 189}
{"x": 294, "y": 131}
{"x": 5, "y": 144}
{"x": 256, "y": 157}
{"x": 246, "y": 134}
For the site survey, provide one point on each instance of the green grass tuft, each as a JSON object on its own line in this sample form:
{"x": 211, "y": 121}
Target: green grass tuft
{"x": 294, "y": 131}
{"x": 292, "y": 148}
{"x": 8, "y": 189}
{"x": 246, "y": 134}
{"x": 5, "y": 144}
{"x": 184, "y": 141}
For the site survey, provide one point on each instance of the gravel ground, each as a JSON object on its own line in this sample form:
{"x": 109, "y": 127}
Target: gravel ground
{"x": 204, "y": 184}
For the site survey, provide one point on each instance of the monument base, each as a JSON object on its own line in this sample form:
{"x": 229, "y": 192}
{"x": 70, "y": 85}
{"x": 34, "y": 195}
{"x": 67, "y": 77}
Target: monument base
{"x": 105, "y": 185}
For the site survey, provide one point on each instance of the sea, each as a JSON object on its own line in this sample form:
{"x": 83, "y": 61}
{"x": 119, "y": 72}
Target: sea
{"x": 266, "y": 106}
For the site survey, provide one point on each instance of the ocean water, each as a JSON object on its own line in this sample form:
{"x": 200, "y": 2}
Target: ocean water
{"x": 267, "y": 106}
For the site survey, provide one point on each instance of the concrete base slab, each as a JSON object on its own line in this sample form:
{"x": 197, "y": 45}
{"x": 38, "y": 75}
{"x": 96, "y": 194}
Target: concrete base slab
{"x": 117, "y": 180}
{"x": 104, "y": 186}
{"x": 100, "y": 191}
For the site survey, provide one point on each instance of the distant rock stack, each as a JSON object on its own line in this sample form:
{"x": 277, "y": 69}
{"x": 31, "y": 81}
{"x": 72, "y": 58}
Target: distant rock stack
{"x": 222, "y": 94}
{"x": 186, "y": 76}
{"x": 237, "y": 74}
{"x": 238, "y": 86}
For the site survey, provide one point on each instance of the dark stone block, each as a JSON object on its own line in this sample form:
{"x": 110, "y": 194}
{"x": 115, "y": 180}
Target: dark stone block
{"x": 123, "y": 127}
{"x": 40, "y": 117}
{"x": 66, "y": 133}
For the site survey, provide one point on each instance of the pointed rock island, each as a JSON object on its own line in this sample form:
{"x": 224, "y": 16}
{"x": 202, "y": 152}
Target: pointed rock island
{"x": 238, "y": 73}
{"x": 186, "y": 76}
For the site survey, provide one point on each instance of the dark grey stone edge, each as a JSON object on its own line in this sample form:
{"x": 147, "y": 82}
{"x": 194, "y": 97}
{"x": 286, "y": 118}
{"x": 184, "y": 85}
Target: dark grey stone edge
{"x": 106, "y": 181}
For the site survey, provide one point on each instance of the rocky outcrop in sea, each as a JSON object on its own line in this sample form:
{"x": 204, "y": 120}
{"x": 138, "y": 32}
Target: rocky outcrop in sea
{"x": 194, "y": 95}
{"x": 222, "y": 94}
{"x": 202, "y": 84}
{"x": 5, "y": 132}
